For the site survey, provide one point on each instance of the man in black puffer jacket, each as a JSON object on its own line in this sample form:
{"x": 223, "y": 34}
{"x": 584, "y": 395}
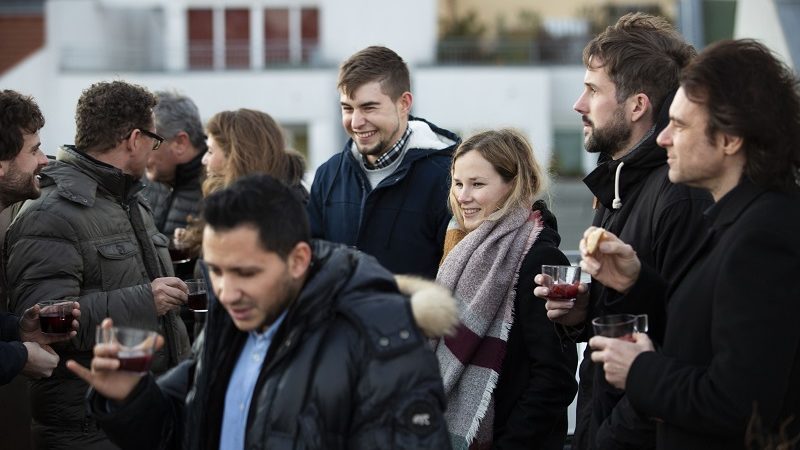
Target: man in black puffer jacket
{"x": 308, "y": 345}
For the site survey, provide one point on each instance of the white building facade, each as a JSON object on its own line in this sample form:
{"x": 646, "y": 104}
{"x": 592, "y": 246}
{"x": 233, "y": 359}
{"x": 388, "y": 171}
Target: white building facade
{"x": 281, "y": 57}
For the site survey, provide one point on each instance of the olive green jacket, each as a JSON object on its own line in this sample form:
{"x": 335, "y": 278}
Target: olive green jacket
{"x": 90, "y": 235}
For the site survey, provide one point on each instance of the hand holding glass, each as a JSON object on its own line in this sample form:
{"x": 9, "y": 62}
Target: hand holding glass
{"x": 561, "y": 281}
{"x": 55, "y": 316}
{"x": 620, "y": 326}
{"x": 136, "y": 346}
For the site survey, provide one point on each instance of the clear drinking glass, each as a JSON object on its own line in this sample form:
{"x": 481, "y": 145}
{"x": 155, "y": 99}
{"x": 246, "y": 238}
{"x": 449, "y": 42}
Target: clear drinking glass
{"x": 562, "y": 281}
{"x": 136, "y": 346}
{"x": 620, "y": 326}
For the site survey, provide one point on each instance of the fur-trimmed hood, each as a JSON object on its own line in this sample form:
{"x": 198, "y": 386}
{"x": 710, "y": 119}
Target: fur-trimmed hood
{"x": 434, "y": 306}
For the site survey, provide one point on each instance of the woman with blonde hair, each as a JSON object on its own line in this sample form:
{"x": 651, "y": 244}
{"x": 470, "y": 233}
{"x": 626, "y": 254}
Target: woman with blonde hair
{"x": 507, "y": 377}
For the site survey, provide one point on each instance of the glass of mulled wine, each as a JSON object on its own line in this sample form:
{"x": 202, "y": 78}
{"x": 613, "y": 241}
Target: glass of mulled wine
{"x": 55, "y": 316}
{"x": 198, "y": 299}
{"x": 562, "y": 281}
{"x": 621, "y": 326}
{"x": 136, "y": 346}
{"x": 178, "y": 252}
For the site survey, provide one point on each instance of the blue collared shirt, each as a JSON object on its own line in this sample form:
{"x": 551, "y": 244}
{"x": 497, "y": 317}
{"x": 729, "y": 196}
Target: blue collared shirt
{"x": 242, "y": 385}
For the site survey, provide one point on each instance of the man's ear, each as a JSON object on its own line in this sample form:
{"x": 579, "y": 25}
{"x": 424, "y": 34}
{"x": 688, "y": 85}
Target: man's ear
{"x": 182, "y": 144}
{"x": 130, "y": 143}
{"x": 730, "y": 144}
{"x": 405, "y": 101}
{"x": 640, "y": 106}
{"x": 4, "y": 167}
{"x": 299, "y": 260}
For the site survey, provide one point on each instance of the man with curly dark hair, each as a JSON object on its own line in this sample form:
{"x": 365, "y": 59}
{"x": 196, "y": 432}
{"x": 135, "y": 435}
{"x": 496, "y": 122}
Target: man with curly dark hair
{"x": 20, "y": 122}
{"x": 90, "y": 236}
{"x": 23, "y": 348}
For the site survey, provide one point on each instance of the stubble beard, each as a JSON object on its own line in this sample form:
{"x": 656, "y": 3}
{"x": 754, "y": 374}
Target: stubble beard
{"x": 610, "y": 139}
{"x": 18, "y": 186}
{"x": 288, "y": 291}
{"x": 381, "y": 147}
{"x": 377, "y": 150}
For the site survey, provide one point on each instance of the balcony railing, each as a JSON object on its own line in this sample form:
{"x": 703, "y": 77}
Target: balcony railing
{"x": 238, "y": 56}
{"x": 197, "y": 56}
{"x": 550, "y": 50}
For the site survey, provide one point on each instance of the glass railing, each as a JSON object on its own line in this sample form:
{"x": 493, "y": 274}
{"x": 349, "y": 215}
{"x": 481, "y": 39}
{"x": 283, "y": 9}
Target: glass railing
{"x": 550, "y": 50}
{"x": 133, "y": 57}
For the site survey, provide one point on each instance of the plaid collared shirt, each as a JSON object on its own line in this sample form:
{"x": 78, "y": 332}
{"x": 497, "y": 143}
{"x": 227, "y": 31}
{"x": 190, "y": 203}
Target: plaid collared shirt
{"x": 390, "y": 156}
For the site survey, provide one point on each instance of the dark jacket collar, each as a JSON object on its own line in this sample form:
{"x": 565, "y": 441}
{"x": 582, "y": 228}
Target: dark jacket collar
{"x": 104, "y": 176}
{"x": 731, "y": 205}
{"x": 189, "y": 172}
{"x": 550, "y": 223}
{"x": 645, "y": 157}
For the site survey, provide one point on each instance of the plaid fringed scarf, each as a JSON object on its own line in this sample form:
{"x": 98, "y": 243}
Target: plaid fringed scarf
{"x": 481, "y": 269}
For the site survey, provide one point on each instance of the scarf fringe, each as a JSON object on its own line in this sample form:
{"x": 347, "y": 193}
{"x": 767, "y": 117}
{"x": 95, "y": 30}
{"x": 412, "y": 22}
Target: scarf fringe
{"x": 483, "y": 407}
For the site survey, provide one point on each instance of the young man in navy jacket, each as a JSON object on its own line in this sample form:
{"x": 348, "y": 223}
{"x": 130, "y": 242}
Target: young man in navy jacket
{"x": 386, "y": 191}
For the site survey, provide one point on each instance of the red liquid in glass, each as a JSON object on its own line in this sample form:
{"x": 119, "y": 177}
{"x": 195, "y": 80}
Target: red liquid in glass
{"x": 178, "y": 255}
{"x": 135, "y": 360}
{"x": 563, "y": 291}
{"x": 198, "y": 302}
{"x": 628, "y": 337}
{"x": 55, "y": 323}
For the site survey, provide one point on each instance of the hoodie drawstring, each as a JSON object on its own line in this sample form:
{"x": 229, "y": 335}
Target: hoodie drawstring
{"x": 617, "y": 203}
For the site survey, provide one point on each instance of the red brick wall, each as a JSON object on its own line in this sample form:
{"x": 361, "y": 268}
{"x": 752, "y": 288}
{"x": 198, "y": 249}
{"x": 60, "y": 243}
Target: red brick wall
{"x": 20, "y": 35}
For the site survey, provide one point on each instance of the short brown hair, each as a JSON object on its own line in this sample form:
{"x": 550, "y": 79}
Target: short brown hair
{"x": 108, "y": 111}
{"x": 641, "y": 53}
{"x": 750, "y": 93}
{"x": 19, "y": 114}
{"x": 375, "y": 64}
{"x": 512, "y": 157}
{"x": 253, "y": 143}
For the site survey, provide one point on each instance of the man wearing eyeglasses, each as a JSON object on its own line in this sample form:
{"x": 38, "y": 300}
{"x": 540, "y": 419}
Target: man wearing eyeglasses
{"x": 90, "y": 236}
{"x": 175, "y": 171}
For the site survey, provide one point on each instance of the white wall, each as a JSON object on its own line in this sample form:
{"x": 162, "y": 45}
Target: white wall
{"x": 408, "y": 27}
{"x": 471, "y": 99}
{"x": 758, "y": 19}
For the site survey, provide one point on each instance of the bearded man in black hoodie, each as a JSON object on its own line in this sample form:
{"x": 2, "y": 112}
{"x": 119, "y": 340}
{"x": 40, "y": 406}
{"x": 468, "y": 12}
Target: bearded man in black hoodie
{"x": 632, "y": 71}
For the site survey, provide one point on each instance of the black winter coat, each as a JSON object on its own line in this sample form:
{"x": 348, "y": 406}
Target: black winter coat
{"x": 172, "y": 205}
{"x": 732, "y": 342}
{"x": 537, "y": 378}
{"x": 347, "y": 369}
{"x": 662, "y": 222}
{"x": 13, "y": 354}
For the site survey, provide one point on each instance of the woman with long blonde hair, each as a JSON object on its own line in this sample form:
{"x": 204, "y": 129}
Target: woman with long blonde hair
{"x": 507, "y": 378}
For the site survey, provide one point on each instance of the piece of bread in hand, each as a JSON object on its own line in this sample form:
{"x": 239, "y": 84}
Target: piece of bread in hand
{"x": 593, "y": 240}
